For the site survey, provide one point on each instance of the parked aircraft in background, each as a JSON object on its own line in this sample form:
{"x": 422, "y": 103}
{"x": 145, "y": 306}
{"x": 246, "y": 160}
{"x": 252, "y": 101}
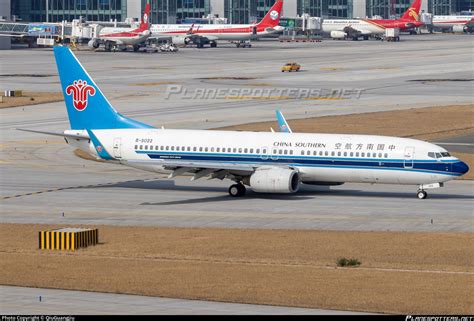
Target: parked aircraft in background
{"x": 112, "y": 37}
{"x": 268, "y": 162}
{"x": 454, "y": 23}
{"x": 201, "y": 34}
{"x": 356, "y": 28}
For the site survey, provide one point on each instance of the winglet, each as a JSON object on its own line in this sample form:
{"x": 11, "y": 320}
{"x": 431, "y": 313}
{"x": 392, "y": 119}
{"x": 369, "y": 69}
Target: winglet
{"x": 282, "y": 124}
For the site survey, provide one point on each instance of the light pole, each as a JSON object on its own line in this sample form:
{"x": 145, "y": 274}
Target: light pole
{"x": 47, "y": 10}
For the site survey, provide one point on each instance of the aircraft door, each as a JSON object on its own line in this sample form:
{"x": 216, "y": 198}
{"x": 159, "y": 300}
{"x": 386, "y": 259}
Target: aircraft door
{"x": 408, "y": 157}
{"x": 254, "y": 30}
{"x": 117, "y": 147}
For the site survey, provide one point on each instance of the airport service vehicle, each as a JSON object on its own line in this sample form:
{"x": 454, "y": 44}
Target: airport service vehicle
{"x": 201, "y": 34}
{"x": 356, "y": 28}
{"x": 392, "y": 34}
{"x": 120, "y": 38}
{"x": 454, "y": 23}
{"x": 291, "y": 66}
{"x": 268, "y": 162}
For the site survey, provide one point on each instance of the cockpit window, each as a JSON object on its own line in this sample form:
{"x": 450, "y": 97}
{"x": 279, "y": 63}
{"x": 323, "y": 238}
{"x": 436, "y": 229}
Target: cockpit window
{"x": 438, "y": 155}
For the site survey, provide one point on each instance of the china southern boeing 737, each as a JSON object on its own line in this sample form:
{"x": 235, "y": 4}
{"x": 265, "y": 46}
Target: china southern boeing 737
{"x": 267, "y": 162}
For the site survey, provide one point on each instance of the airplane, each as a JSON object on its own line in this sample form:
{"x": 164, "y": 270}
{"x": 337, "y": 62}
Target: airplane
{"x": 268, "y": 162}
{"x": 122, "y": 37}
{"x": 201, "y": 34}
{"x": 355, "y": 28}
{"x": 455, "y": 23}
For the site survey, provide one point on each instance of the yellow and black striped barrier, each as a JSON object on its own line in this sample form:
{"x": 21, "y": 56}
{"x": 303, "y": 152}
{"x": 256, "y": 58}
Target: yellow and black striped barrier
{"x": 68, "y": 239}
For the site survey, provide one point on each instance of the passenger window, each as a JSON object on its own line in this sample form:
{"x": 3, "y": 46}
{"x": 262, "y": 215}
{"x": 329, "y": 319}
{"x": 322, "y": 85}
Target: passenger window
{"x": 338, "y": 153}
{"x": 194, "y": 148}
{"x": 146, "y": 147}
{"x": 251, "y": 150}
{"x": 257, "y": 151}
{"x": 362, "y": 154}
{"x": 385, "y": 155}
{"x": 136, "y": 146}
{"x": 189, "y": 149}
{"x": 212, "y": 149}
{"x": 240, "y": 150}
{"x": 357, "y": 154}
{"x": 206, "y": 149}
{"x": 291, "y": 152}
{"x": 280, "y": 151}
{"x": 183, "y": 148}
{"x": 333, "y": 153}
{"x": 351, "y": 154}
{"x": 218, "y": 149}
{"x": 326, "y": 153}
{"x": 302, "y": 152}
{"x": 177, "y": 148}
{"x": 246, "y": 150}
{"x": 345, "y": 154}
{"x": 167, "y": 148}
{"x": 235, "y": 150}
{"x": 200, "y": 149}
{"x": 285, "y": 152}
{"x": 374, "y": 155}
{"x": 172, "y": 147}
{"x": 380, "y": 155}
{"x": 162, "y": 147}
{"x": 315, "y": 153}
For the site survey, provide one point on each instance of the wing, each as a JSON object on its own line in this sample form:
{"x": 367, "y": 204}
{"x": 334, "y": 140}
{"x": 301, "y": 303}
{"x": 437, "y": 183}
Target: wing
{"x": 199, "y": 169}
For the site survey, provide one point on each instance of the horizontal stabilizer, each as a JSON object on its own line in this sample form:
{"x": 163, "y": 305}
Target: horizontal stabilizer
{"x": 67, "y": 135}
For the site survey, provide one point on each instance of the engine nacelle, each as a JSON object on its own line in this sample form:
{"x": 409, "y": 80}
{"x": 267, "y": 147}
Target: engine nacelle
{"x": 335, "y": 34}
{"x": 275, "y": 180}
{"x": 93, "y": 43}
{"x": 458, "y": 28}
{"x": 179, "y": 41}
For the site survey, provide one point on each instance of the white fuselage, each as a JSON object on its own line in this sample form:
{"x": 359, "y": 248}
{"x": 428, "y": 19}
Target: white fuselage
{"x": 317, "y": 157}
{"x": 450, "y": 21}
{"x": 234, "y": 32}
{"x": 123, "y": 36}
{"x": 361, "y": 25}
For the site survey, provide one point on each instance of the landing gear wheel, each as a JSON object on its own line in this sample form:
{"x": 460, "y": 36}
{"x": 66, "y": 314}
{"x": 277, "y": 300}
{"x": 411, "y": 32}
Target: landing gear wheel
{"x": 421, "y": 195}
{"x": 237, "y": 190}
{"x": 213, "y": 44}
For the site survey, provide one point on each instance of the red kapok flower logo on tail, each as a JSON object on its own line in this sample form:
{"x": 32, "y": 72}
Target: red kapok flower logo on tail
{"x": 80, "y": 91}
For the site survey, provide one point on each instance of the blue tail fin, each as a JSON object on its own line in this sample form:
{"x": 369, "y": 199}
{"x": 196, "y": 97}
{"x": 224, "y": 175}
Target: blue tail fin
{"x": 87, "y": 106}
{"x": 282, "y": 124}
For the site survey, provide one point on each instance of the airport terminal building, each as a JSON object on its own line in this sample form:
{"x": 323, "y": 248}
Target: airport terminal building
{"x": 236, "y": 11}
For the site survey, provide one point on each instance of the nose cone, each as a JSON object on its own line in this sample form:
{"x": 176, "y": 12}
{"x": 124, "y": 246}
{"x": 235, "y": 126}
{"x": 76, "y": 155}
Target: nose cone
{"x": 460, "y": 167}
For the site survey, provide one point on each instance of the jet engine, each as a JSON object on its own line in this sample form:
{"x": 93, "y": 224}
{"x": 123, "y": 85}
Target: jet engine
{"x": 275, "y": 180}
{"x": 458, "y": 28}
{"x": 335, "y": 34}
{"x": 179, "y": 41}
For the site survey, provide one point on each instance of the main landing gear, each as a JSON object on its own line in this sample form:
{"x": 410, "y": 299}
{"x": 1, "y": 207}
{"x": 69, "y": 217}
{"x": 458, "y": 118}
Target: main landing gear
{"x": 421, "y": 194}
{"x": 237, "y": 190}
